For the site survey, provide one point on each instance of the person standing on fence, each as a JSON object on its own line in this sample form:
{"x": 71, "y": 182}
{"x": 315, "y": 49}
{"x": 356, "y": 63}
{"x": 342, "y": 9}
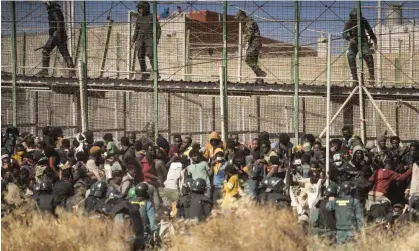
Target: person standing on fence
{"x": 350, "y": 33}
{"x": 253, "y": 44}
{"x": 143, "y": 37}
{"x": 57, "y": 38}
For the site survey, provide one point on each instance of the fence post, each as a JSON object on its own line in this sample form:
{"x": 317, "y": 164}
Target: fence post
{"x": 14, "y": 64}
{"x": 379, "y": 45}
{"x": 239, "y": 54}
{"x": 329, "y": 77}
{"x": 105, "y": 51}
{"x": 296, "y": 76}
{"x": 24, "y": 54}
{"x": 118, "y": 54}
{"x": 83, "y": 72}
{"x": 361, "y": 70}
{"x": 398, "y": 63}
{"x": 412, "y": 50}
{"x": 224, "y": 124}
{"x": 155, "y": 73}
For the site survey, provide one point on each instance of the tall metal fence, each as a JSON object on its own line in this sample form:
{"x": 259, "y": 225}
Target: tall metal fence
{"x": 201, "y": 42}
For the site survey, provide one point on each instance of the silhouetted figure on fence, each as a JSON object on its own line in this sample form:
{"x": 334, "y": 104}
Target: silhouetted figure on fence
{"x": 57, "y": 38}
{"x": 143, "y": 36}
{"x": 350, "y": 33}
{"x": 253, "y": 44}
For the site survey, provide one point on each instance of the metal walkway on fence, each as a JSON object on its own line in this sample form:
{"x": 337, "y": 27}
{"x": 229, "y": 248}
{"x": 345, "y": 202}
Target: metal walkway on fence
{"x": 62, "y": 84}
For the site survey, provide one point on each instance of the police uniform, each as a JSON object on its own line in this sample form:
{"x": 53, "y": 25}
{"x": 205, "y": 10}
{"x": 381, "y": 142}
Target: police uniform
{"x": 350, "y": 31}
{"x": 143, "y": 36}
{"x": 57, "y": 38}
{"x": 281, "y": 201}
{"x": 253, "y": 41}
{"x": 348, "y": 217}
{"x": 194, "y": 206}
{"x": 324, "y": 221}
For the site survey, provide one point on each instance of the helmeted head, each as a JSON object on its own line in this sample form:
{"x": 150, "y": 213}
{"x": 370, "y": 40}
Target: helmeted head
{"x": 346, "y": 188}
{"x": 199, "y": 186}
{"x": 131, "y": 193}
{"x": 143, "y": 7}
{"x": 141, "y": 190}
{"x": 99, "y": 189}
{"x": 45, "y": 186}
{"x": 186, "y": 187}
{"x": 274, "y": 184}
{"x": 332, "y": 190}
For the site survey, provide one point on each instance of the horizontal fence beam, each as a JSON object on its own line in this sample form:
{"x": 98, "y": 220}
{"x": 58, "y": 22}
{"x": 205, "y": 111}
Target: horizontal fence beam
{"x": 69, "y": 85}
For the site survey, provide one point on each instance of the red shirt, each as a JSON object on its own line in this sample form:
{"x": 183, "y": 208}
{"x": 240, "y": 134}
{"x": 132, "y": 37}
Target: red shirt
{"x": 149, "y": 172}
{"x": 383, "y": 177}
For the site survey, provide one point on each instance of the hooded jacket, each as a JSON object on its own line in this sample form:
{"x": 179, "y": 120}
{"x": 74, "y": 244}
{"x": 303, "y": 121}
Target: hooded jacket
{"x": 209, "y": 149}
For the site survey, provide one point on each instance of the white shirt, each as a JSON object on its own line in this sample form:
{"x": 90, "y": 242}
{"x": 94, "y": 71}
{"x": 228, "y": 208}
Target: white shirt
{"x": 173, "y": 176}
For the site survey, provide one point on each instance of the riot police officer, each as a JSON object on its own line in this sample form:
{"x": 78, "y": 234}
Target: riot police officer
{"x": 274, "y": 193}
{"x": 350, "y": 33}
{"x": 57, "y": 38}
{"x": 146, "y": 209}
{"x": 44, "y": 198}
{"x": 323, "y": 220}
{"x": 96, "y": 199}
{"x": 348, "y": 213}
{"x": 195, "y": 205}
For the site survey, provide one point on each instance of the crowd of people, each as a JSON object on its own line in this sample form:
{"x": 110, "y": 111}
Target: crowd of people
{"x": 143, "y": 180}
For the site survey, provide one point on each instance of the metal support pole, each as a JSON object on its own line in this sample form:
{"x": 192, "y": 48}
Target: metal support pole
{"x": 129, "y": 52}
{"x": 361, "y": 70}
{"x": 83, "y": 71}
{"x": 169, "y": 117}
{"x": 124, "y": 110}
{"x": 239, "y": 54}
{"x": 222, "y": 108}
{"x": 188, "y": 55}
{"x": 329, "y": 78}
{"x": 14, "y": 64}
{"x": 183, "y": 41}
{"x": 155, "y": 73}
{"x": 296, "y": 73}
{"x": 399, "y": 63}
{"x": 105, "y": 51}
{"x": 118, "y": 54}
{"x": 412, "y": 50}
{"x": 24, "y": 54}
{"x": 379, "y": 45}
{"x": 72, "y": 38}
{"x": 379, "y": 111}
{"x": 224, "y": 76}
{"x": 340, "y": 109}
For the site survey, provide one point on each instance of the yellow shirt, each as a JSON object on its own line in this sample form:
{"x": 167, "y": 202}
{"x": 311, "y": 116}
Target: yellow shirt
{"x": 268, "y": 156}
{"x": 231, "y": 187}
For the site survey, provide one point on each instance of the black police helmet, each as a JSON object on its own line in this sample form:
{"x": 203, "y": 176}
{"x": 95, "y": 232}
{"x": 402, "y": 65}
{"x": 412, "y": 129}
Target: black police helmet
{"x": 332, "y": 190}
{"x": 99, "y": 189}
{"x": 45, "y": 186}
{"x": 142, "y": 190}
{"x": 274, "y": 184}
{"x": 347, "y": 188}
{"x": 199, "y": 185}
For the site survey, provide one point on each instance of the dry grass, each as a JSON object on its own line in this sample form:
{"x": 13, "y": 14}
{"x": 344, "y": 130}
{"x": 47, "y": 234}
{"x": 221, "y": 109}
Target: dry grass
{"x": 247, "y": 228}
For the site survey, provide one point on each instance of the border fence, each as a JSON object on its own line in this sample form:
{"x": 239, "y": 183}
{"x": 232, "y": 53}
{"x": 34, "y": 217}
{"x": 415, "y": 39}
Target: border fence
{"x": 203, "y": 82}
